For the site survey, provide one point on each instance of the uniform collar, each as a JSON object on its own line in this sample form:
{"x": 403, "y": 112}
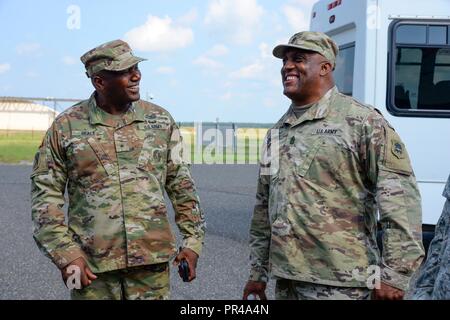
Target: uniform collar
{"x": 98, "y": 116}
{"x": 318, "y": 110}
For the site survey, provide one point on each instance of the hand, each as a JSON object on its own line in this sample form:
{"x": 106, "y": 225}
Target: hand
{"x": 255, "y": 287}
{"x": 386, "y": 292}
{"x": 86, "y": 275}
{"x": 191, "y": 258}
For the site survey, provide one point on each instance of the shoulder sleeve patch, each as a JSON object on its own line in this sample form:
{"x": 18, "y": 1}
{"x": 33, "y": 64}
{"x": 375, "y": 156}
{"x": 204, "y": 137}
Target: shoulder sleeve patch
{"x": 398, "y": 149}
{"x": 396, "y": 156}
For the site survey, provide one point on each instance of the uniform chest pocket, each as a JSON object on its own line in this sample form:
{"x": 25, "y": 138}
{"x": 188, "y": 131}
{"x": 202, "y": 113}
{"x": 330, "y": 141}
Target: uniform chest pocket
{"x": 325, "y": 163}
{"x": 153, "y": 155}
{"x": 89, "y": 163}
{"x": 307, "y": 157}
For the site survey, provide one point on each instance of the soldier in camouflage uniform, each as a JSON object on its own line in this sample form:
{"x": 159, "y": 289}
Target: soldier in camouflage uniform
{"x": 433, "y": 280}
{"x": 333, "y": 163}
{"x": 117, "y": 154}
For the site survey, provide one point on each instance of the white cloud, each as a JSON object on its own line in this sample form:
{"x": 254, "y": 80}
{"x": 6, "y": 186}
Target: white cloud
{"x": 206, "y": 60}
{"x": 306, "y": 3}
{"x": 28, "y": 48}
{"x": 252, "y": 71}
{"x": 298, "y": 14}
{"x": 165, "y": 70}
{"x": 68, "y": 60}
{"x": 257, "y": 70}
{"x": 189, "y": 17}
{"x": 218, "y": 50}
{"x": 296, "y": 18}
{"x": 207, "y": 63}
{"x": 159, "y": 35}
{"x": 5, "y": 67}
{"x": 239, "y": 19}
{"x": 265, "y": 51}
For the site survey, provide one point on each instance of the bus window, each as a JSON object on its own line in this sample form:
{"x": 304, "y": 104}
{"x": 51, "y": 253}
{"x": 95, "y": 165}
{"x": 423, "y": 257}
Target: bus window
{"x": 419, "y": 76}
{"x": 442, "y": 71}
{"x": 448, "y": 34}
{"x": 412, "y": 34}
{"x": 343, "y": 74}
{"x": 437, "y": 35}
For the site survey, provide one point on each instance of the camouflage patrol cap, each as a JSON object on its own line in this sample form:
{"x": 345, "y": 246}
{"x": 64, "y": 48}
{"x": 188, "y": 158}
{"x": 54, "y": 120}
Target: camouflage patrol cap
{"x": 313, "y": 41}
{"x": 112, "y": 56}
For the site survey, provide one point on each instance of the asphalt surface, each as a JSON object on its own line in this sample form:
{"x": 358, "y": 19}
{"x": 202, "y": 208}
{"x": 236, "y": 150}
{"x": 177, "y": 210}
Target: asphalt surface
{"x": 227, "y": 194}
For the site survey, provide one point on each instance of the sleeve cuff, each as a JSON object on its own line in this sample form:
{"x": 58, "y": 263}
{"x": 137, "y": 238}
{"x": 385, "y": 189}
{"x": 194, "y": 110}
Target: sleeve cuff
{"x": 194, "y": 244}
{"x": 259, "y": 275}
{"x": 64, "y": 257}
{"x": 394, "y": 279}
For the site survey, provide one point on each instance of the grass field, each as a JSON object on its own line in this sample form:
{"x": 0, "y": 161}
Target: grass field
{"x": 21, "y": 146}
{"x": 247, "y": 149}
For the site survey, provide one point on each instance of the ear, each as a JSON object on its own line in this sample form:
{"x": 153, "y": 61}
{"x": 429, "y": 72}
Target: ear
{"x": 326, "y": 68}
{"x": 98, "y": 82}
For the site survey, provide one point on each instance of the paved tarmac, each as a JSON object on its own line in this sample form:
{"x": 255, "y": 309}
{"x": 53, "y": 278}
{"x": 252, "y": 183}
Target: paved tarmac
{"x": 227, "y": 195}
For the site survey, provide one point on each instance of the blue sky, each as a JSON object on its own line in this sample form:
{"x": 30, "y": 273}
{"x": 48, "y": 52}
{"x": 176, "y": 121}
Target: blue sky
{"x": 207, "y": 59}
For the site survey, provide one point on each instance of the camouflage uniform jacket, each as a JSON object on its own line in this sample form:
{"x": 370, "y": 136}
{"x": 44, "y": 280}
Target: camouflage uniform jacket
{"x": 433, "y": 281}
{"x": 315, "y": 217}
{"x": 116, "y": 169}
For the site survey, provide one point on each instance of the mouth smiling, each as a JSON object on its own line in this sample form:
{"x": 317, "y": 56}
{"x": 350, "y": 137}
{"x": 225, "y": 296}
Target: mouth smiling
{"x": 134, "y": 89}
{"x": 289, "y": 78}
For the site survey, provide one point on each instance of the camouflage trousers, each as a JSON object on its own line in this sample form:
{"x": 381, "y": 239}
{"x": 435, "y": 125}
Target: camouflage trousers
{"x": 149, "y": 282}
{"x": 286, "y": 289}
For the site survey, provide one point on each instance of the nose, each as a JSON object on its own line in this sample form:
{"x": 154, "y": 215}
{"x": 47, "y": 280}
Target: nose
{"x": 288, "y": 65}
{"x": 135, "y": 75}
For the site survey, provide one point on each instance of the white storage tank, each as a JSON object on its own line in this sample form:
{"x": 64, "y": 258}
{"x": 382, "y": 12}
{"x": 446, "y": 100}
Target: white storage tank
{"x": 18, "y": 114}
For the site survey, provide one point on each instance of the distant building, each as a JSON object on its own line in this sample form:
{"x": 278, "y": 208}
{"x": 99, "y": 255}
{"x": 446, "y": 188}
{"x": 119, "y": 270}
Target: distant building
{"x": 18, "y": 114}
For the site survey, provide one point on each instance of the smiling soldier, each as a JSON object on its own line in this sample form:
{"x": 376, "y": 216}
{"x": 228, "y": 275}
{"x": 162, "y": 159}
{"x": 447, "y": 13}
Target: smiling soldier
{"x": 315, "y": 221}
{"x": 116, "y": 154}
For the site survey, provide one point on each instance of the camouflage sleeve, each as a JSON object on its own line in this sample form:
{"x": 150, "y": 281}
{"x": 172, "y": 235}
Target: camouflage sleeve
{"x": 181, "y": 189}
{"x": 260, "y": 231}
{"x": 398, "y": 198}
{"x": 48, "y": 182}
{"x": 422, "y": 288}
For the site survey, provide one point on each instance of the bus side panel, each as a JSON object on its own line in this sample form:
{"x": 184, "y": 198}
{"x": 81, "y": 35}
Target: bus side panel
{"x": 367, "y": 23}
{"x": 427, "y": 139}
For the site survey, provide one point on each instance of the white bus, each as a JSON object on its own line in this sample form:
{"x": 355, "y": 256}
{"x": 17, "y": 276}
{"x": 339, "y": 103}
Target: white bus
{"x": 395, "y": 56}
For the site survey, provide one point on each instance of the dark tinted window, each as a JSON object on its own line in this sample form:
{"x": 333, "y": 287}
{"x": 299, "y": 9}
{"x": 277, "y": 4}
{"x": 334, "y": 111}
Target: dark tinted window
{"x": 422, "y": 78}
{"x": 343, "y": 74}
{"x": 448, "y": 35}
{"x": 419, "y": 81}
{"x": 442, "y": 71}
{"x": 407, "y": 69}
